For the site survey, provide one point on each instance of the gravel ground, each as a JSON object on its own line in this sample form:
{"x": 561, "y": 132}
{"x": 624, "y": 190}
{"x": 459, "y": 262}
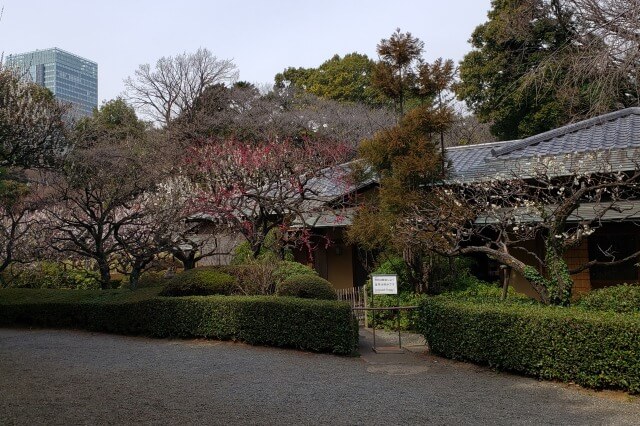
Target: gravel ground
{"x": 75, "y": 377}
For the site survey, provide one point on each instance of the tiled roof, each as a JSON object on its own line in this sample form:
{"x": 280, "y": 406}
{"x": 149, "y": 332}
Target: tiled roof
{"x": 334, "y": 183}
{"x": 609, "y": 142}
{"x": 624, "y": 210}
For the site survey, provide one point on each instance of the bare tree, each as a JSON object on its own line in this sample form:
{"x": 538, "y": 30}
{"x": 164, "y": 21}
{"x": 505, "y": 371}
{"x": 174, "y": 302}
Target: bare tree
{"x": 467, "y": 130}
{"x": 243, "y": 113}
{"x": 598, "y": 69}
{"x": 18, "y": 239}
{"x": 173, "y": 86}
{"x": 92, "y": 196}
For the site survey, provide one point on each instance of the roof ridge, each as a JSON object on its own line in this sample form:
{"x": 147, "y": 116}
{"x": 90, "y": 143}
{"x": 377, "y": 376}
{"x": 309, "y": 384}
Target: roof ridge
{"x": 476, "y": 145}
{"x": 561, "y": 131}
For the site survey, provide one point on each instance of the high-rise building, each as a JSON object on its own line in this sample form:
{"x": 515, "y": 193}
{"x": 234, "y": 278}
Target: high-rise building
{"x": 70, "y": 77}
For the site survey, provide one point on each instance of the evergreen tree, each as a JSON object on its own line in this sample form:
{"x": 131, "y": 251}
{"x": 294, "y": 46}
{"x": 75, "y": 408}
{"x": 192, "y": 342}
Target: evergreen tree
{"x": 344, "y": 79}
{"x": 395, "y": 74}
{"x": 517, "y": 38}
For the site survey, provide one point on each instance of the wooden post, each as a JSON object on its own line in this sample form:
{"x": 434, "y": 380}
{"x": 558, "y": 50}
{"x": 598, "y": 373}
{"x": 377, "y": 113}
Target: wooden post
{"x": 506, "y": 274}
{"x": 366, "y": 305}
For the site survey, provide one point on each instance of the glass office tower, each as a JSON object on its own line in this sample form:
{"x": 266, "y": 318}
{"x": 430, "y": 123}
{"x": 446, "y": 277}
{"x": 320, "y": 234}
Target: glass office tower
{"x": 71, "y": 78}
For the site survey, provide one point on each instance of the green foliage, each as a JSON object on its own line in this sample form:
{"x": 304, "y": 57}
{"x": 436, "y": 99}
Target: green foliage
{"x": 460, "y": 285}
{"x": 503, "y": 81}
{"x": 407, "y": 160}
{"x": 51, "y": 275}
{"x": 114, "y": 119}
{"x": 388, "y": 319}
{"x": 623, "y": 298}
{"x": 315, "y": 325}
{"x": 556, "y": 284}
{"x": 307, "y": 287}
{"x": 287, "y": 268}
{"x": 269, "y": 251}
{"x": 152, "y": 279}
{"x": 242, "y": 253}
{"x": 199, "y": 282}
{"x": 471, "y": 288}
{"x": 395, "y": 74}
{"x": 394, "y": 265}
{"x": 593, "y": 349}
{"x": 346, "y": 79}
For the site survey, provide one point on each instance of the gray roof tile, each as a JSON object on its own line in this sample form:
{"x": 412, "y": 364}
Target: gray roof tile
{"x": 611, "y": 139}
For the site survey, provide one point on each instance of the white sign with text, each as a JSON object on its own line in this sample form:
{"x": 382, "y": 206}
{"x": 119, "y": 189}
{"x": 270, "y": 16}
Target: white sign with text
{"x": 385, "y": 284}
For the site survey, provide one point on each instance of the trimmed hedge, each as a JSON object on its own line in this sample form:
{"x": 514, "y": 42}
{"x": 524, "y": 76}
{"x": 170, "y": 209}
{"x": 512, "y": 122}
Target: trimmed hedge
{"x": 593, "y": 349}
{"x": 624, "y": 298}
{"x": 307, "y": 287}
{"x": 322, "y": 326}
{"x": 199, "y": 282}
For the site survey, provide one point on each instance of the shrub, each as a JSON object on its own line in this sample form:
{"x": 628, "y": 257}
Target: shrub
{"x": 254, "y": 278}
{"x": 388, "y": 319}
{"x": 199, "y": 282}
{"x": 307, "y": 287}
{"x": 51, "y": 275}
{"x": 394, "y": 265}
{"x": 623, "y": 298}
{"x": 482, "y": 291}
{"x": 440, "y": 278}
{"x": 594, "y": 349}
{"x": 287, "y": 268}
{"x": 316, "y": 325}
{"x": 152, "y": 279}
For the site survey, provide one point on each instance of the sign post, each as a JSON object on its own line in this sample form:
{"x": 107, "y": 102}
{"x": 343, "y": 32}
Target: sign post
{"x": 385, "y": 284}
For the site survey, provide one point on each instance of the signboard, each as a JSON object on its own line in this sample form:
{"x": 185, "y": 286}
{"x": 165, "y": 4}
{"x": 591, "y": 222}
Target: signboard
{"x": 385, "y": 284}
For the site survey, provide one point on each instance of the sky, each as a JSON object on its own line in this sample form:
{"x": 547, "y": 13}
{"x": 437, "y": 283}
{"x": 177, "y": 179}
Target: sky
{"x": 261, "y": 37}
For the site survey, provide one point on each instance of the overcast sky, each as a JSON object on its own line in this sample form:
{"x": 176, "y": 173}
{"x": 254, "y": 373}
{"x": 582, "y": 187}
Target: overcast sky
{"x": 262, "y": 37}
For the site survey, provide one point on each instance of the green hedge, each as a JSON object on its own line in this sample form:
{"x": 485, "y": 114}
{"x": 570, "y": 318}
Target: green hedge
{"x": 315, "y": 325}
{"x": 199, "y": 282}
{"x": 624, "y": 298}
{"x": 593, "y": 349}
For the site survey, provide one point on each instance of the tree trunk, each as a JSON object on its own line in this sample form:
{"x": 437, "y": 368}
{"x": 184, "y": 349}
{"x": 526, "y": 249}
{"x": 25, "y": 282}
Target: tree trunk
{"x": 537, "y": 281}
{"x": 105, "y": 275}
{"x": 559, "y": 283}
{"x": 134, "y": 277}
{"x": 189, "y": 262}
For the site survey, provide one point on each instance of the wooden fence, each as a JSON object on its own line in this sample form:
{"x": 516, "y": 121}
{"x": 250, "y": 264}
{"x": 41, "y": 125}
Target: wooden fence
{"x": 357, "y": 299}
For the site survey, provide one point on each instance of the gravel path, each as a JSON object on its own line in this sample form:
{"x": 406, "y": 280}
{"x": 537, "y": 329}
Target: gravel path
{"x": 76, "y": 377}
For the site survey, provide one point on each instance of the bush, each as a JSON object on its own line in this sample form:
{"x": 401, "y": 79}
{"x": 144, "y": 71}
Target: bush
{"x": 316, "y": 325}
{"x": 388, "y": 319}
{"x": 594, "y": 349}
{"x": 440, "y": 277}
{"x": 51, "y": 275}
{"x": 307, "y": 287}
{"x": 199, "y": 282}
{"x": 623, "y": 298}
{"x": 394, "y": 265}
{"x": 478, "y": 290}
{"x": 152, "y": 279}
{"x": 254, "y": 278}
{"x": 287, "y": 268}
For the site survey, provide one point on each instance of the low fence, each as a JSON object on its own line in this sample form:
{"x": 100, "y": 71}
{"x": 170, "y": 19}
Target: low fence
{"x": 357, "y": 299}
